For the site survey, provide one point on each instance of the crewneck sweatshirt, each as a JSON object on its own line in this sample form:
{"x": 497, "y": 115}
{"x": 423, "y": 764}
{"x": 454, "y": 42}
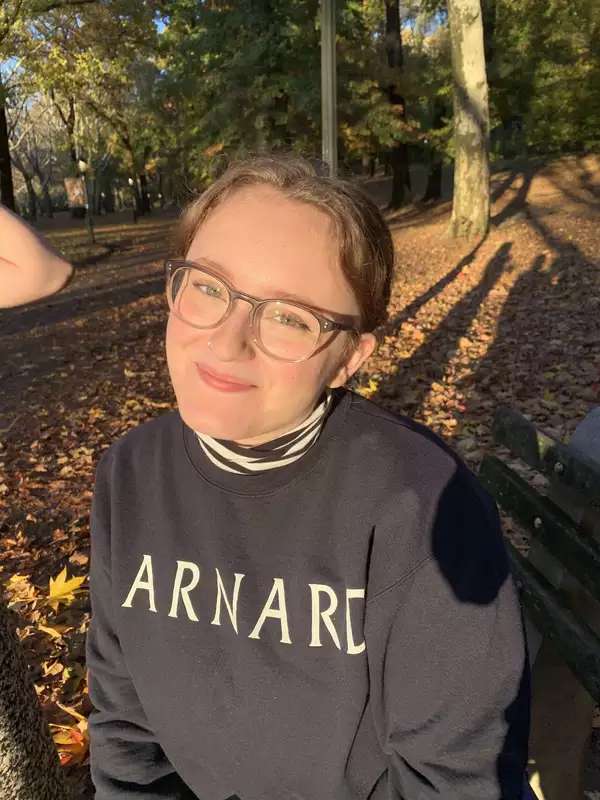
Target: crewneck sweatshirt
{"x": 342, "y": 628}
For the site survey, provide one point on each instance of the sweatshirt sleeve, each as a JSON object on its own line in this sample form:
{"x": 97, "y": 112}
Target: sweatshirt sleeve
{"x": 127, "y": 761}
{"x": 448, "y": 666}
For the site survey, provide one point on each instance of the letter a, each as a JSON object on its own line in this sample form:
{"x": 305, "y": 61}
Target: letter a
{"x": 145, "y": 571}
{"x": 276, "y": 613}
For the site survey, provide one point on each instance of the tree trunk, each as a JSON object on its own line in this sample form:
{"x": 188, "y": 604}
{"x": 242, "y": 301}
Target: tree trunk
{"x": 144, "y": 196}
{"x": 398, "y": 155}
{"x": 471, "y": 204}
{"x": 489, "y": 10}
{"x": 161, "y": 189}
{"x": 7, "y": 192}
{"x": 433, "y": 190}
{"x": 48, "y": 208}
{"x": 68, "y": 120}
{"x": 29, "y": 766}
{"x": 31, "y": 196}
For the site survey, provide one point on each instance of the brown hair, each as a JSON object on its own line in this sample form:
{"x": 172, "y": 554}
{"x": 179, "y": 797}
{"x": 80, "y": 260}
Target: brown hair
{"x": 366, "y": 246}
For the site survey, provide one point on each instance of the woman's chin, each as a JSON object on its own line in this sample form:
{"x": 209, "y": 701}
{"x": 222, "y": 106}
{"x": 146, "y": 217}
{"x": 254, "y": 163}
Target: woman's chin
{"x": 215, "y": 425}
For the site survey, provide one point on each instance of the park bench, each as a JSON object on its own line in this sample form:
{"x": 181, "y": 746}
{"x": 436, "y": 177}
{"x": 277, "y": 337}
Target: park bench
{"x": 559, "y": 586}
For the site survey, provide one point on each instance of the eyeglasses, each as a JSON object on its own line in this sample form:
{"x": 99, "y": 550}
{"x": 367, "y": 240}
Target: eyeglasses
{"x": 283, "y": 329}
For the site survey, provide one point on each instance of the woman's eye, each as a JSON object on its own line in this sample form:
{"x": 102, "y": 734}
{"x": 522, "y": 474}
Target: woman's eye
{"x": 208, "y": 289}
{"x": 294, "y": 322}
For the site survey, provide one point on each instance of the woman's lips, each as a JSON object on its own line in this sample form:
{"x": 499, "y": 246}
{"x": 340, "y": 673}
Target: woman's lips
{"x": 224, "y": 383}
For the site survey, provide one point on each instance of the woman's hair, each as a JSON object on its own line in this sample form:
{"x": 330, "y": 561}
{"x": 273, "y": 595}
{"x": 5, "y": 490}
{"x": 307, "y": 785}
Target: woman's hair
{"x": 365, "y": 243}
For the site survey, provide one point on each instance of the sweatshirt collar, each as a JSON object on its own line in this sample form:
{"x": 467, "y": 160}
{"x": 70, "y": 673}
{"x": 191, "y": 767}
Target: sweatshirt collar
{"x": 268, "y": 481}
{"x": 274, "y": 454}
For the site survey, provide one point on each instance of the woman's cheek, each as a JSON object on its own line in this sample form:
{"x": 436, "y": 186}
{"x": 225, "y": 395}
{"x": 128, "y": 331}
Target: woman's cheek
{"x": 303, "y": 380}
{"x": 175, "y": 346}
{"x": 176, "y": 330}
{"x": 297, "y": 376}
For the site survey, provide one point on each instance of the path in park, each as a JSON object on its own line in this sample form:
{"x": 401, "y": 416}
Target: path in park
{"x": 511, "y": 321}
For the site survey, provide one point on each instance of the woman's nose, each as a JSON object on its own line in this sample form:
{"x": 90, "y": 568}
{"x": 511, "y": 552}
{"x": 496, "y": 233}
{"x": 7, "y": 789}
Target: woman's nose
{"x": 233, "y": 339}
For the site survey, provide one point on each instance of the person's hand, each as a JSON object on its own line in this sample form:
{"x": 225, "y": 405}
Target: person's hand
{"x": 29, "y": 268}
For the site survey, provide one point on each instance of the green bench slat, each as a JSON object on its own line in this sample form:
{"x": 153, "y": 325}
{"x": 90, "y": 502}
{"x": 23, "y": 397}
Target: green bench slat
{"x": 554, "y": 529}
{"x": 575, "y": 641}
{"x": 544, "y": 454}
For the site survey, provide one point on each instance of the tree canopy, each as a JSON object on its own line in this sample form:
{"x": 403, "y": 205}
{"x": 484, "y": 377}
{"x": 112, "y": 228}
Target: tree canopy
{"x": 164, "y": 92}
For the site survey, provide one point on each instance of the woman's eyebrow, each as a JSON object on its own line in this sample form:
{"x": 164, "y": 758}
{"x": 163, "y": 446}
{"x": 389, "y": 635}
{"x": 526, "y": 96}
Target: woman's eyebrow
{"x": 271, "y": 293}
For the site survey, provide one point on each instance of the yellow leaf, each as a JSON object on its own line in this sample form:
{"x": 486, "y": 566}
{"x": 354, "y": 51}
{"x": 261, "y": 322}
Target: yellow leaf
{"x": 72, "y": 676}
{"x": 20, "y": 590}
{"x": 213, "y": 150}
{"x": 63, "y": 590}
{"x": 14, "y": 579}
{"x": 370, "y": 389}
{"x": 71, "y": 711}
{"x": 72, "y": 742}
{"x": 63, "y": 737}
{"x": 54, "y": 668}
{"x": 55, "y": 631}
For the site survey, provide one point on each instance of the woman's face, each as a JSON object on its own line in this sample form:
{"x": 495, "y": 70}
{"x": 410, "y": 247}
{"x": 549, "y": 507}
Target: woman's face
{"x": 267, "y": 246}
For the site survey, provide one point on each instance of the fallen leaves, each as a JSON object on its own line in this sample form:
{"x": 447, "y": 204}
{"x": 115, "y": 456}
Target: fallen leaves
{"x": 20, "y": 591}
{"x": 55, "y": 632}
{"x": 72, "y": 741}
{"x": 63, "y": 590}
{"x": 61, "y": 671}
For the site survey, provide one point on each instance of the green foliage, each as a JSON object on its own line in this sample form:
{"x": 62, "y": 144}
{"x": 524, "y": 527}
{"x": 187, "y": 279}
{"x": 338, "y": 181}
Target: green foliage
{"x": 238, "y": 77}
{"x": 218, "y": 79}
{"x": 546, "y": 70}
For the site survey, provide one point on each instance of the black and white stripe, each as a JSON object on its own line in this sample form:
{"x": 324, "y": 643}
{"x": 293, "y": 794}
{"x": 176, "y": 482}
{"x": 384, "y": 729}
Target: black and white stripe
{"x": 233, "y": 457}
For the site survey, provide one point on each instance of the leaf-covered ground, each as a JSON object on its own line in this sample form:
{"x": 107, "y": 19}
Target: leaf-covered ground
{"x": 510, "y": 321}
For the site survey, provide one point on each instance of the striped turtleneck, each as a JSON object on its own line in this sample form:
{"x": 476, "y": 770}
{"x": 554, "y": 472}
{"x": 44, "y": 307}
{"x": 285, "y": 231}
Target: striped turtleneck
{"x": 233, "y": 457}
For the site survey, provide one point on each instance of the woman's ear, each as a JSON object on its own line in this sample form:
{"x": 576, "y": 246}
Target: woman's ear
{"x": 354, "y": 358}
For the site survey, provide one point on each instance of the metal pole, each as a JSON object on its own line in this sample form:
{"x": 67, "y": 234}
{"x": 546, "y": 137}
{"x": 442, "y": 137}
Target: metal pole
{"x": 134, "y": 196}
{"x": 328, "y": 86}
{"x": 88, "y": 209}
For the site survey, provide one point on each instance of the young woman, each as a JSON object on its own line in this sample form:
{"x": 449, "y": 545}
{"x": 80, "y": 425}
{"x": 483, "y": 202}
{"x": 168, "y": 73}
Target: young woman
{"x": 295, "y": 594}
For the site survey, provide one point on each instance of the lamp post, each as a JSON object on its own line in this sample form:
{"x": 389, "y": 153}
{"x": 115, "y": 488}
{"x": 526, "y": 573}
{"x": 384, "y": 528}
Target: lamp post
{"x": 83, "y": 169}
{"x": 328, "y": 86}
{"x": 131, "y": 183}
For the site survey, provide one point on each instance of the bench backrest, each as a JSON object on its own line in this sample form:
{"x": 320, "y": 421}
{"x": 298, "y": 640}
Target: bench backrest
{"x": 560, "y": 579}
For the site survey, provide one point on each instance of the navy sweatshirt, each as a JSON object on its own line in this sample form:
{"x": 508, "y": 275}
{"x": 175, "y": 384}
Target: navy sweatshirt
{"x": 341, "y": 628}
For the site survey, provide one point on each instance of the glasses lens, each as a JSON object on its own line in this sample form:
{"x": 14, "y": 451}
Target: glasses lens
{"x": 288, "y": 331}
{"x": 198, "y": 297}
